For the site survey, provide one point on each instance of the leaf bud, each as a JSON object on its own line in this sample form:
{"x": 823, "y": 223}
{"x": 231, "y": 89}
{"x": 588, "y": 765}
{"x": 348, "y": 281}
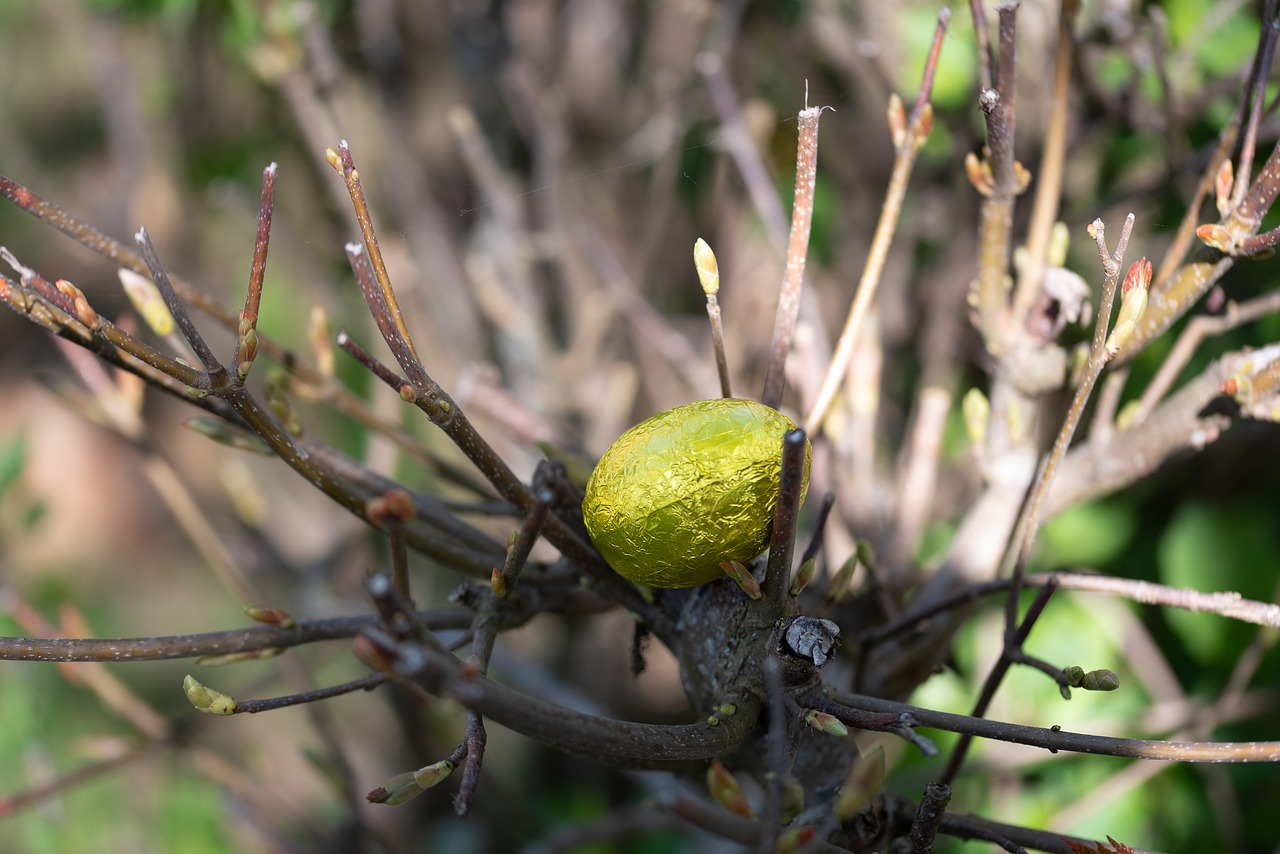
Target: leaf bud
{"x": 704, "y": 260}
{"x": 207, "y": 700}
{"x": 823, "y": 722}
{"x": 803, "y": 576}
{"x": 726, "y": 790}
{"x": 742, "y": 577}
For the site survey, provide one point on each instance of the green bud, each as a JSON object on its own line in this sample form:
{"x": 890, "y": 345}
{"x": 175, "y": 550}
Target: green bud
{"x": 206, "y": 699}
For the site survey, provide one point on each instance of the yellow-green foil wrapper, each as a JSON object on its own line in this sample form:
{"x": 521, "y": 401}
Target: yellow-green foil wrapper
{"x": 688, "y": 488}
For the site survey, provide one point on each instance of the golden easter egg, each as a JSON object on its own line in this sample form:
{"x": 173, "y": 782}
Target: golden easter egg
{"x": 688, "y": 488}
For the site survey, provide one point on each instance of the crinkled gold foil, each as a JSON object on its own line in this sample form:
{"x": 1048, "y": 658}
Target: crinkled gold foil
{"x": 688, "y": 488}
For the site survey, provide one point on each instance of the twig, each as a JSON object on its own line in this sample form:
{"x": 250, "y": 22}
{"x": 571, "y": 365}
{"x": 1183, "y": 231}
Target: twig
{"x": 174, "y": 303}
{"x": 915, "y": 132}
{"x": 1048, "y": 193}
{"x": 1010, "y": 654}
{"x": 444, "y": 412}
{"x": 342, "y": 161}
{"x": 118, "y": 253}
{"x": 783, "y": 536}
{"x": 704, "y": 260}
{"x": 1058, "y": 739}
{"x": 1266, "y": 53}
{"x": 620, "y": 743}
{"x": 999, "y": 179}
{"x": 365, "y": 683}
{"x": 797, "y": 252}
{"x": 247, "y": 344}
{"x": 1207, "y": 266}
{"x": 1186, "y": 421}
{"x": 209, "y": 643}
{"x": 819, "y": 525}
{"x": 924, "y": 829}
{"x": 475, "y": 741}
{"x": 1230, "y": 605}
{"x": 1028, "y": 526}
{"x": 776, "y": 752}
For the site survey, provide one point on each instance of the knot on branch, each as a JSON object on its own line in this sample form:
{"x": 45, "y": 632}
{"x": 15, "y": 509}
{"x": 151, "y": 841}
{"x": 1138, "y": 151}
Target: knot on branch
{"x": 810, "y": 640}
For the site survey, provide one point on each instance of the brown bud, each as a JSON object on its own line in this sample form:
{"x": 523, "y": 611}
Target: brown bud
{"x": 269, "y": 615}
{"x": 1217, "y": 237}
{"x": 742, "y": 577}
{"x": 897, "y": 114}
{"x": 1222, "y": 186}
{"x": 726, "y": 790}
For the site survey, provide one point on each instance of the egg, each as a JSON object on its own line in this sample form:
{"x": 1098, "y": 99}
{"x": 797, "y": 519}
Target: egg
{"x": 687, "y": 489}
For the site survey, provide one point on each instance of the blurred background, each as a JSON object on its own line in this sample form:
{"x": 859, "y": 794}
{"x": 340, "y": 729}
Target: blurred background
{"x": 538, "y": 172}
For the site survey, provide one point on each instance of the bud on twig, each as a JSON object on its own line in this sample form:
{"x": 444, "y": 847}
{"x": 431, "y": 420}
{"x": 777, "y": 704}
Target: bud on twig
{"x": 1217, "y": 237}
{"x": 742, "y": 577}
{"x": 321, "y": 342}
{"x": 274, "y": 389}
{"x": 824, "y": 722}
{"x": 207, "y": 700}
{"x": 79, "y": 304}
{"x": 227, "y": 434}
{"x": 704, "y": 260}
{"x": 147, "y": 301}
{"x": 269, "y": 615}
{"x": 239, "y": 657}
{"x": 1133, "y": 302}
{"x": 1094, "y": 680}
{"x": 897, "y": 120}
{"x": 839, "y": 587}
{"x": 803, "y": 576}
{"x": 1222, "y": 186}
{"x": 405, "y": 787}
{"x": 726, "y": 790}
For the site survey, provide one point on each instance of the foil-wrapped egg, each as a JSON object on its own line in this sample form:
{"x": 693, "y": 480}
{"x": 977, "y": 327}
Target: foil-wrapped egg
{"x": 688, "y": 488}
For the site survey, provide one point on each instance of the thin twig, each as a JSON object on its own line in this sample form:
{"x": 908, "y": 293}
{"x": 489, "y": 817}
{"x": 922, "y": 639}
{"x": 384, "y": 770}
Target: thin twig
{"x": 345, "y": 164}
{"x": 1010, "y": 654}
{"x": 174, "y": 303}
{"x": 1059, "y": 739}
{"x": 475, "y": 740}
{"x": 1048, "y": 194}
{"x": 209, "y": 643}
{"x": 819, "y": 525}
{"x": 364, "y": 683}
{"x": 1028, "y": 526}
{"x": 620, "y": 743}
{"x": 916, "y": 132}
{"x": 1266, "y": 53}
{"x": 328, "y": 391}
